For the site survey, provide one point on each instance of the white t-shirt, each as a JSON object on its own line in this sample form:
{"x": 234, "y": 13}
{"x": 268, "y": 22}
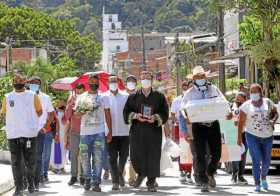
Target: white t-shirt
{"x": 21, "y": 117}
{"x": 176, "y": 106}
{"x": 117, "y": 103}
{"x": 93, "y": 122}
{"x": 47, "y": 107}
{"x": 257, "y": 121}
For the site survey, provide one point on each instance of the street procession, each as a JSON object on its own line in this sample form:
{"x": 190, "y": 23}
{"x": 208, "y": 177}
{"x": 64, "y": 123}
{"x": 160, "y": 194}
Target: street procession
{"x": 95, "y": 102}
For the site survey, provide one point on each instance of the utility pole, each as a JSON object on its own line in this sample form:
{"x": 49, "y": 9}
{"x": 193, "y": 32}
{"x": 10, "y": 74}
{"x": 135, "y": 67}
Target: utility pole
{"x": 177, "y": 62}
{"x": 143, "y": 45}
{"x": 222, "y": 83}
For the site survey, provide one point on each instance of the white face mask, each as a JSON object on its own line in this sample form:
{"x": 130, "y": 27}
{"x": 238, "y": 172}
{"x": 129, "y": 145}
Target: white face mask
{"x": 255, "y": 96}
{"x": 131, "y": 86}
{"x": 113, "y": 86}
{"x": 146, "y": 83}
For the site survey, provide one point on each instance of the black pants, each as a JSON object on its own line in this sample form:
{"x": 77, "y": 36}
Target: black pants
{"x": 204, "y": 135}
{"x": 39, "y": 155}
{"x": 21, "y": 152}
{"x": 118, "y": 153}
{"x": 238, "y": 167}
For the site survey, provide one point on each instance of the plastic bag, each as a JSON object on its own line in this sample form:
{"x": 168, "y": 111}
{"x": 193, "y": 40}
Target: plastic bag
{"x": 171, "y": 148}
{"x": 165, "y": 161}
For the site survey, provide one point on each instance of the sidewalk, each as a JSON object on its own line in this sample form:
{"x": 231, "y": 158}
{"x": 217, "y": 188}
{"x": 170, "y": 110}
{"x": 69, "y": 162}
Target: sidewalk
{"x": 6, "y": 180}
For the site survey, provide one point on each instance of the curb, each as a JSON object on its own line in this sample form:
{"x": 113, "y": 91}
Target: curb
{"x": 5, "y": 157}
{"x": 7, "y": 186}
{"x": 5, "y": 161}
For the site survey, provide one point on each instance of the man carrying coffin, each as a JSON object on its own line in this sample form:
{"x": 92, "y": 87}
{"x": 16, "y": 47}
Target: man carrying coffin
{"x": 204, "y": 132}
{"x": 146, "y": 111}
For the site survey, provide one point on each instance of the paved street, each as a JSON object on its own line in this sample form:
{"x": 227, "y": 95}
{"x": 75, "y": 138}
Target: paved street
{"x": 169, "y": 185}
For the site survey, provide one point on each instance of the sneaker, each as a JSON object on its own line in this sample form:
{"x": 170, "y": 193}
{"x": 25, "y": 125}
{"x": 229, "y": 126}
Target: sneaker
{"x": 183, "y": 177}
{"x": 36, "y": 186}
{"x": 41, "y": 179}
{"x": 72, "y": 181}
{"x": 96, "y": 188}
{"x": 46, "y": 178}
{"x": 82, "y": 181}
{"x": 138, "y": 181}
{"x": 18, "y": 192}
{"x": 122, "y": 181}
{"x": 189, "y": 179}
{"x": 234, "y": 179}
{"x": 106, "y": 175}
{"x": 258, "y": 189}
{"x": 156, "y": 184}
{"x": 131, "y": 183}
{"x": 204, "y": 188}
{"x": 87, "y": 184}
{"x": 242, "y": 180}
{"x": 198, "y": 184}
{"x": 265, "y": 185}
{"x": 152, "y": 188}
{"x": 31, "y": 189}
{"x": 116, "y": 187}
{"x": 212, "y": 181}
{"x": 25, "y": 184}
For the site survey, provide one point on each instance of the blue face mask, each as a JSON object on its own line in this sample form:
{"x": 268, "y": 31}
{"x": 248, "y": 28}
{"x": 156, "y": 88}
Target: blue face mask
{"x": 255, "y": 96}
{"x": 201, "y": 82}
{"x": 34, "y": 87}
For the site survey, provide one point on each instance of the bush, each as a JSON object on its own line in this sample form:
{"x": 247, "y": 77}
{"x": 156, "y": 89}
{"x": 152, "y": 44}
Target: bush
{"x": 3, "y": 141}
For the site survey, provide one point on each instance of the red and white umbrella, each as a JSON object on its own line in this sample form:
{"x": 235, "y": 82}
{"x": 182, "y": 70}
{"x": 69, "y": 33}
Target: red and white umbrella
{"x": 64, "y": 83}
{"x": 103, "y": 81}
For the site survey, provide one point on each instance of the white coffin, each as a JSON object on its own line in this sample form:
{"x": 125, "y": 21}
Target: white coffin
{"x": 204, "y": 110}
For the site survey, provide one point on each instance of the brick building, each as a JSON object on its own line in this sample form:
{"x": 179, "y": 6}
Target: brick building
{"x": 25, "y": 55}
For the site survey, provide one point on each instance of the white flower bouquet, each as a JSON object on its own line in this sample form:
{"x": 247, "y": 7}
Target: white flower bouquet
{"x": 84, "y": 105}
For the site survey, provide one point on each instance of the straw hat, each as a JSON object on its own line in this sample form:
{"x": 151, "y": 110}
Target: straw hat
{"x": 198, "y": 70}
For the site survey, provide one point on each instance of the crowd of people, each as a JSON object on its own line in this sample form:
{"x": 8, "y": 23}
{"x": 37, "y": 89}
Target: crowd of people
{"x": 106, "y": 131}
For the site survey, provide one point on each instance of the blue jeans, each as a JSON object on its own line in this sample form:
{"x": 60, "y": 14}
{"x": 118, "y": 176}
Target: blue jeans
{"x": 39, "y": 157}
{"x": 260, "y": 151}
{"x": 92, "y": 152}
{"x": 47, "y": 146}
{"x": 182, "y": 124}
{"x": 106, "y": 165}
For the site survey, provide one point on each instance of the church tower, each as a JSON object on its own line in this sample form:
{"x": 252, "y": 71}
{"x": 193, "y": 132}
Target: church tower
{"x": 114, "y": 40}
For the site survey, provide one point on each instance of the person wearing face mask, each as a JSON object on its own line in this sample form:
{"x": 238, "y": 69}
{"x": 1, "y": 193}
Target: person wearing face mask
{"x": 45, "y": 135}
{"x": 257, "y": 117}
{"x": 58, "y": 152}
{"x": 131, "y": 84}
{"x": 72, "y": 134}
{"x": 131, "y": 87}
{"x": 92, "y": 143}
{"x": 205, "y": 134}
{"x": 118, "y": 148}
{"x": 185, "y": 169}
{"x": 146, "y": 111}
{"x": 238, "y": 167}
{"x": 21, "y": 130}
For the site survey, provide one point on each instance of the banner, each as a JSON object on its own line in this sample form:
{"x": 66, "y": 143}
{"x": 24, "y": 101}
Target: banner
{"x": 231, "y": 151}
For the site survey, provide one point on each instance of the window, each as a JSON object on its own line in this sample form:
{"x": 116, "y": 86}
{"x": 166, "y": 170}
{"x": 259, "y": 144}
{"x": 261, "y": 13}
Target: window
{"x": 113, "y": 26}
{"x": 118, "y": 48}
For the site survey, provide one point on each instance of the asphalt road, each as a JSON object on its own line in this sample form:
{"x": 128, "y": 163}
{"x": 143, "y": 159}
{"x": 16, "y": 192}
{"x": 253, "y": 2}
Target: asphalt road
{"x": 168, "y": 185}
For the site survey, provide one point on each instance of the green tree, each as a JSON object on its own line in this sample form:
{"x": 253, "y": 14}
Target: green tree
{"x": 30, "y": 28}
{"x": 264, "y": 43}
